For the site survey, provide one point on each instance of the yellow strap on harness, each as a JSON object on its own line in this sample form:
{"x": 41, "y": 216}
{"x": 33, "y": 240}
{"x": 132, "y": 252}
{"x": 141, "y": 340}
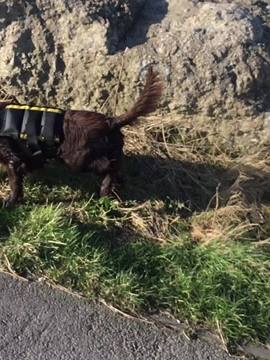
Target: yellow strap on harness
{"x": 37, "y": 108}
{"x": 33, "y": 108}
{"x": 54, "y": 110}
{"x": 23, "y": 136}
{"x": 18, "y": 107}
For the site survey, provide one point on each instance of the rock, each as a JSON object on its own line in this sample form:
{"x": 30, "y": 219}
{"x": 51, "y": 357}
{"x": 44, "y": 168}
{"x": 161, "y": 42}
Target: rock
{"x": 212, "y": 55}
{"x": 52, "y": 50}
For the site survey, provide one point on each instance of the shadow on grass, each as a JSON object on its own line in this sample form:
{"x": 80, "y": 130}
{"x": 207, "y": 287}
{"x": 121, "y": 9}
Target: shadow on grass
{"x": 195, "y": 185}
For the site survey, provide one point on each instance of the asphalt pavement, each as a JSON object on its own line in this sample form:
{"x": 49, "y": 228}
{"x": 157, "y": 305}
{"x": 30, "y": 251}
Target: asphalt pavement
{"x": 38, "y": 322}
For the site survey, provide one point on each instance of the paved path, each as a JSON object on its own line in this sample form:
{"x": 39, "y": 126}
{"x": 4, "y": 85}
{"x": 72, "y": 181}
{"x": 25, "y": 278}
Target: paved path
{"x": 38, "y": 323}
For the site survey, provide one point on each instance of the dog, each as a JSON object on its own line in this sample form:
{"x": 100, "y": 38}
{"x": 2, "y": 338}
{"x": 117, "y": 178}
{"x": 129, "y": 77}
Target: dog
{"x": 91, "y": 142}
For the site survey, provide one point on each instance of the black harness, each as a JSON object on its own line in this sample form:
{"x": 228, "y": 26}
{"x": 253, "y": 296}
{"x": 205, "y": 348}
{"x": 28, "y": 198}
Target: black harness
{"x": 38, "y": 129}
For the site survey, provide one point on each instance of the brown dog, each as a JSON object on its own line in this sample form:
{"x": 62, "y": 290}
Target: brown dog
{"x": 92, "y": 142}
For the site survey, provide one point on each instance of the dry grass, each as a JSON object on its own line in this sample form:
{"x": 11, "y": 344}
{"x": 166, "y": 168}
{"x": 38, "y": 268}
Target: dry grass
{"x": 203, "y": 164}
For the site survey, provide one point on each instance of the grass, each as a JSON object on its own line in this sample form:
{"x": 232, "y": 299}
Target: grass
{"x": 193, "y": 241}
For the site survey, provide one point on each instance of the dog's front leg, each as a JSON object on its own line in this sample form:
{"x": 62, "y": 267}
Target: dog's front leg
{"x": 15, "y": 170}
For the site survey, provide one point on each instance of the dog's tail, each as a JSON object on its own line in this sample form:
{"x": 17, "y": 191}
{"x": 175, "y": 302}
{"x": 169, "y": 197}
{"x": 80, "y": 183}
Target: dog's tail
{"x": 146, "y": 103}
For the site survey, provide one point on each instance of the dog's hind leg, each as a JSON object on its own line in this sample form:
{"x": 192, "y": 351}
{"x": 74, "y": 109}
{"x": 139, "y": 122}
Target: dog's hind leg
{"x": 106, "y": 187}
{"x": 108, "y": 169}
{"x": 112, "y": 181}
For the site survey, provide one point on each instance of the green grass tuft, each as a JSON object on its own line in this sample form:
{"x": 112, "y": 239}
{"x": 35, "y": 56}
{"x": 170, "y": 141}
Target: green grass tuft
{"x": 219, "y": 286}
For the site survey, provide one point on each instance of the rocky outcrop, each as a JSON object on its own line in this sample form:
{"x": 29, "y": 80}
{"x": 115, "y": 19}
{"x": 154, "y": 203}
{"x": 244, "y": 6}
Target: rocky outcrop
{"x": 49, "y": 48}
{"x": 214, "y": 56}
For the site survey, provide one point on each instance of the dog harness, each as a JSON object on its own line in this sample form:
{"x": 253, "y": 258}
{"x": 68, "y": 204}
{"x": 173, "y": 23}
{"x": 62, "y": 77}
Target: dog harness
{"x": 39, "y": 129}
